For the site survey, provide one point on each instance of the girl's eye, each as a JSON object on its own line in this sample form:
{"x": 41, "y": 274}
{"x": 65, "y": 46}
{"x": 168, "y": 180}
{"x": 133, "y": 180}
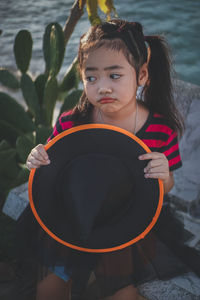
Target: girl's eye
{"x": 90, "y": 78}
{"x": 115, "y": 76}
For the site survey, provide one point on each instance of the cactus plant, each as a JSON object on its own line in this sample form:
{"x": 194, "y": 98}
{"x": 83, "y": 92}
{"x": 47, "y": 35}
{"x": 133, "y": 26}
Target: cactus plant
{"x": 31, "y": 97}
{"x": 23, "y": 128}
{"x": 40, "y": 82}
{"x": 50, "y": 96}
{"x": 14, "y": 114}
{"x": 71, "y": 78}
{"x": 42, "y": 134}
{"x": 8, "y": 79}
{"x": 23, "y": 50}
{"x": 20, "y": 128}
{"x": 71, "y": 100}
{"x": 53, "y": 48}
{"x": 9, "y": 132}
{"x": 23, "y": 146}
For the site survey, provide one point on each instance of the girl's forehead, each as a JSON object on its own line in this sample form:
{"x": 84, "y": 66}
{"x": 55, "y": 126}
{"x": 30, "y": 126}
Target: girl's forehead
{"x": 103, "y": 57}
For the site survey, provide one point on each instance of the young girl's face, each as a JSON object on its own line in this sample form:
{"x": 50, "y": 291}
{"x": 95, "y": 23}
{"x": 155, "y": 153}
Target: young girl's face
{"x": 109, "y": 80}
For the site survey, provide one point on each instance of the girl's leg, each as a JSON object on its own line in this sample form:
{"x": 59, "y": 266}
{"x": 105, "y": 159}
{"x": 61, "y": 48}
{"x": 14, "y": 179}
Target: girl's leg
{"x": 127, "y": 293}
{"x": 53, "y": 287}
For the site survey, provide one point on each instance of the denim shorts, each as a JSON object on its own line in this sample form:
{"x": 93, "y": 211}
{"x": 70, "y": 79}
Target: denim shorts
{"x": 60, "y": 272}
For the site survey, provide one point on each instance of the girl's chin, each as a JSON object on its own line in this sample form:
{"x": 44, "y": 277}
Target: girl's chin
{"x": 108, "y": 108}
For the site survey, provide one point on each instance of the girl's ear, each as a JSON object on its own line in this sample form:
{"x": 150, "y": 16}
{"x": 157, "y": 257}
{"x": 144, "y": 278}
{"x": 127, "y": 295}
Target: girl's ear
{"x": 143, "y": 75}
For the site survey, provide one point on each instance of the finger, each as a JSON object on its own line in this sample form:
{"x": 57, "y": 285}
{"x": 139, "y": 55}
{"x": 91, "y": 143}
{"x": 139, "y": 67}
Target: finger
{"x": 40, "y": 155}
{"x": 43, "y": 152}
{"x": 156, "y": 175}
{"x": 151, "y": 155}
{"x": 37, "y": 162}
{"x": 36, "y": 156}
{"x": 159, "y": 169}
{"x": 31, "y": 166}
{"x": 153, "y": 163}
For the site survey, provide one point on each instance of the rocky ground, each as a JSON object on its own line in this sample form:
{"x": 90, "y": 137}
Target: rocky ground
{"x": 184, "y": 197}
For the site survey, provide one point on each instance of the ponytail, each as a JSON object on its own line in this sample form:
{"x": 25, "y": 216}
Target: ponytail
{"x": 158, "y": 92}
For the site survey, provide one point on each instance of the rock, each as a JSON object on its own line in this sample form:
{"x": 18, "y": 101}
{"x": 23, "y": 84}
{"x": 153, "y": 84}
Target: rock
{"x": 185, "y": 287}
{"x": 184, "y": 94}
{"x": 16, "y": 201}
{"x": 187, "y": 179}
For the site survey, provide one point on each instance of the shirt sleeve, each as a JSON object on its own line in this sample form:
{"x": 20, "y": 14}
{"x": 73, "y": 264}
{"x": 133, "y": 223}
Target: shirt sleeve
{"x": 63, "y": 123}
{"x": 172, "y": 152}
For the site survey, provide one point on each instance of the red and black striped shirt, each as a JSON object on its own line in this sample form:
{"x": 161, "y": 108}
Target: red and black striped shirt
{"x": 155, "y": 133}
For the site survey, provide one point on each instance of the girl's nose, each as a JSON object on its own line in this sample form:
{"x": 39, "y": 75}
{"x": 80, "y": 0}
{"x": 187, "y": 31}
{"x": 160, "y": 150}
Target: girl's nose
{"x": 105, "y": 90}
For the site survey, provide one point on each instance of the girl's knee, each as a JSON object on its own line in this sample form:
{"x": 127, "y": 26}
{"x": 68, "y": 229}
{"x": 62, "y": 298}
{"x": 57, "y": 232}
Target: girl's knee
{"x": 53, "y": 288}
{"x": 127, "y": 293}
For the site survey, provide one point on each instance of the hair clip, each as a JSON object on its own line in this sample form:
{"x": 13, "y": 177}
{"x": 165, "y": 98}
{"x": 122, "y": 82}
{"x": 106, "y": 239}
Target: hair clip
{"x": 121, "y": 27}
{"x": 148, "y": 51}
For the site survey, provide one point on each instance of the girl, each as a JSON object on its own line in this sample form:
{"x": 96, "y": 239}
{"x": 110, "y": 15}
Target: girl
{"x": 115, "y": 58}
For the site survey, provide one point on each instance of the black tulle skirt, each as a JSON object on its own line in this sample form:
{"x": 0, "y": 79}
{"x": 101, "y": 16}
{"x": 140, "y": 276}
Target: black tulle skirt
{"x": 162, "y": 254}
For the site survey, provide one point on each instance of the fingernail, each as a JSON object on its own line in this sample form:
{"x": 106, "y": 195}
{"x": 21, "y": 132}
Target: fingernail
{"x": 146, "y": 175}
{"x": 145, "y": 170}
{"x": 140, "y": 157}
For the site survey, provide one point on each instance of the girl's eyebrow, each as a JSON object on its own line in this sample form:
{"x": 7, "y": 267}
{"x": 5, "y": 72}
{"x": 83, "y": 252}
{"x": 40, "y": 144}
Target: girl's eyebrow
{"x": 107, "y": 68}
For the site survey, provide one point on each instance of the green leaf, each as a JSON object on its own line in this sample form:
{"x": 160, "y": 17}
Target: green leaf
{"x": 71, "y": 78}
{"x": 50, "y": 96}
{"x": 14, "y": 114}
{"x": 23, "y": 50}
{"x": 23, "y": 147}
{"x": 42, "y": 134}
{"x": 8, "y": 79}
{"x": 40, "y": 82}
{"x": 22, "y": 176}
{"x": 4, "y": 145}
{"x": 30, "y": 96}
{"x": 8, "y": 164}
{"x": 9, "y": 132}
{"x": 71, "y": 100}
{"x": 53, "y": 48}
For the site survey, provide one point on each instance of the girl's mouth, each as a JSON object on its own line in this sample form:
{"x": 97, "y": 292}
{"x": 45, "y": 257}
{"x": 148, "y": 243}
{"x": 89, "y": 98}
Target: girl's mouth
{"x": 106, "y": 100}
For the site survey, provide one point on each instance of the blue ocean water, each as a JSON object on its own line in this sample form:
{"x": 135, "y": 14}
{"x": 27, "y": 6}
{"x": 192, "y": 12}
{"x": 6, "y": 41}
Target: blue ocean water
{"x": 177, "y": 20}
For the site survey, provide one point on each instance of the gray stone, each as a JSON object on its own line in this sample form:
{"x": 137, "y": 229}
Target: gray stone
{"x": 187, "y": 178}
{"x": 184, "y": 94}
{"x": 16, "y": 201}
{"x": 185, "y": 287}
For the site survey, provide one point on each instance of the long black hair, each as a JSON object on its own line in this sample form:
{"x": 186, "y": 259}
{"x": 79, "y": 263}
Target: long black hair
{"x": 128, "y": 37}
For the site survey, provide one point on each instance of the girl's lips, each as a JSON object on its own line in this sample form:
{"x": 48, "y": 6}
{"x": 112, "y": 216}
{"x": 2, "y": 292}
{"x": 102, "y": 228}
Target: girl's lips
{"x": 106, "y": 100}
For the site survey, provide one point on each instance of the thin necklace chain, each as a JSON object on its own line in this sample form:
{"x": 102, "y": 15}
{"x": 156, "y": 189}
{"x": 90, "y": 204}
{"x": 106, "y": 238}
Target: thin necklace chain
{"x": 136, "y": 116}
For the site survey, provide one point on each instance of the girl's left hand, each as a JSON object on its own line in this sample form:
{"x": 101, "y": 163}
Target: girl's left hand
{"x": 158, "y": 167}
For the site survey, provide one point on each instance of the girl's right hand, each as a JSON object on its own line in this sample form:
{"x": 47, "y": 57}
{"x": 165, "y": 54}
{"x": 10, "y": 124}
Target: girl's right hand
{"x": 37, "y": 157}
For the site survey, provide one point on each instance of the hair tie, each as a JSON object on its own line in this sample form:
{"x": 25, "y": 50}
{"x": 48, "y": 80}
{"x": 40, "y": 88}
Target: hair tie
{"x": 121, "y": 27}
{"x": 148, "y": 50}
